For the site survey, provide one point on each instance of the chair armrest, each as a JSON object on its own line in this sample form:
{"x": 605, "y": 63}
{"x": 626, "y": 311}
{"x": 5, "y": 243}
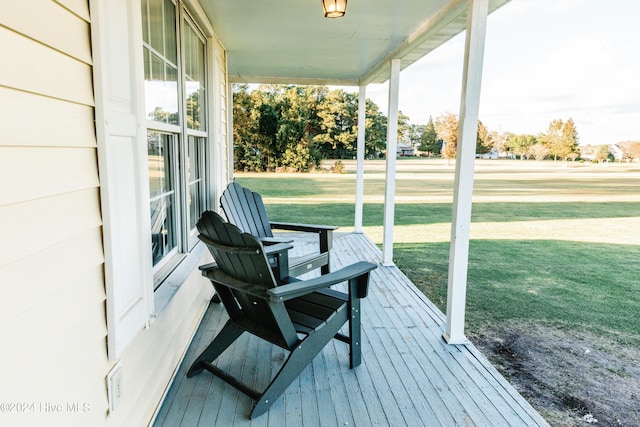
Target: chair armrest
{"x": 297, "y": 289}
{"x": 278, "y": 248}
{"x": 266, "y": 241}
{"x": 205, "y": 267}
{"x": 324, "y": 232}
{"x": 311, "y": 228}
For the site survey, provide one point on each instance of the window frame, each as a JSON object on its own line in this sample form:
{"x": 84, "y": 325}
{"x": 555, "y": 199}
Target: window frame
{"x": 186, "y": 238}
{"x": 190, "y": 231}
{"x": 204, "y": 184}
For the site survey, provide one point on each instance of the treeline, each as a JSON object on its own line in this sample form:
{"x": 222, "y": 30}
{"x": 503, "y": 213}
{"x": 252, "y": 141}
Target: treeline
{"x": 294, "y": 128}
{"x": 560, "y": 141}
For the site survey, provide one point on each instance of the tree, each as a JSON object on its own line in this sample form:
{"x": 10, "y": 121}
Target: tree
{"x": 268, "y": 133}
{"x": 297, "y": 123}
{"x": 602, "y": 154}
{"x": 376, "y": 130}
{"x": 297, "y": 126}
{"x": 552, "y": 139}
{"x": 337, "y": 125}
{"x": 447, "y": 130}
{"x": 404, "y": 129}
{"x": 631, "y": 150}
{"x": 246, "y": 153}
{"x": 429, "y": 142}
{"x": 561, "y": 139}
{"x": 539, "y": 151}
{"x": 415, "y": 135}
{"x": 520, "y": 145}
{"x": 499, "y": 141}
{"x": 569, "y": 145}
{"x": 484, "y": 141}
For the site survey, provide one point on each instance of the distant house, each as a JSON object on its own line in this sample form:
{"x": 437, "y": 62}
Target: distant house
{"x": 403, "y": 150}
{"x": 621, "y": 151}
{"x": 589, "y": 152}
{"x": 616, "y": 151}
{"x": 631, "y": 150}
{"x": 493, "y": 154}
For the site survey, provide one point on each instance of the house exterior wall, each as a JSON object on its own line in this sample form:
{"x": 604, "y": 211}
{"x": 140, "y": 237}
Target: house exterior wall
{"x": 53, "y": 326}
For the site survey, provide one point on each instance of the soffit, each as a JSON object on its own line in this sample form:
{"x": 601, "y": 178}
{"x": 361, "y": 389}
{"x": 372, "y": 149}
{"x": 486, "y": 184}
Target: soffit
{"x": 290, "y": 41}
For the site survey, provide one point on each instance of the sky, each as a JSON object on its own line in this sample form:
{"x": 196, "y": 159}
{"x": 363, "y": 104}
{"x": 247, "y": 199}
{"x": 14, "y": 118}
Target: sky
{"x": 544, "y": 60}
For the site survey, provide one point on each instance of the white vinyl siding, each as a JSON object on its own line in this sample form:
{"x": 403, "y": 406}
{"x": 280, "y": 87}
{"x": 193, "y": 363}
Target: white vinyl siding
{"x": 33, "y": 18}
{"x": 33, "y": 172}
{"x": 52, "y": 298}
{"x": 63, "y": 77}
{"x": 46, "y": 119}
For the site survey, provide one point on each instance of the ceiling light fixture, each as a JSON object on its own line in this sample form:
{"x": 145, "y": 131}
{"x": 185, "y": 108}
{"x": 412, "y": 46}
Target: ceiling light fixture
{"x": 334, "y": 8}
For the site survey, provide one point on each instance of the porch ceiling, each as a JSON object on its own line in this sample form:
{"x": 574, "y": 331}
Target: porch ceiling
{"x": 289, "y": 41}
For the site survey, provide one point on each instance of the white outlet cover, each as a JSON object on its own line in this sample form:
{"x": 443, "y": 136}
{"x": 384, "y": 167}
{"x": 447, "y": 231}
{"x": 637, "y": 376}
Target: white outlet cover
{"x": 114, "y": 386}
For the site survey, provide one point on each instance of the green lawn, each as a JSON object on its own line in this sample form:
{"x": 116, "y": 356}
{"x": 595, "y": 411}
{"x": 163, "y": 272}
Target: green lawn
{"x": 550, "y": 245}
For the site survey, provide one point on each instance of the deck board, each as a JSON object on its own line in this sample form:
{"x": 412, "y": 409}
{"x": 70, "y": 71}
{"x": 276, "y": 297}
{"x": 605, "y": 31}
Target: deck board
{"x": 409, "y": 376}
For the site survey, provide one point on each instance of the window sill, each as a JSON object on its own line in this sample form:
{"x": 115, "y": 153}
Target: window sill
{"x": 169, "y": 287}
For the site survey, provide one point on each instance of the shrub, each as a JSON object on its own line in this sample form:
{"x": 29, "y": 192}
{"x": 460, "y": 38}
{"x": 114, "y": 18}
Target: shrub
{"x": 338, "y": 167}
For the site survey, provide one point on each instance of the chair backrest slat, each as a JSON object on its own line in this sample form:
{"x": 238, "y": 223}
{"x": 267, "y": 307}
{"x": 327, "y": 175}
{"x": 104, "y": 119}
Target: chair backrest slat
{"x": 260, "y": 214}
{"x": 233, "y": 206}
{"x": 245, "y": 209}
{"x": 249, "y": 266}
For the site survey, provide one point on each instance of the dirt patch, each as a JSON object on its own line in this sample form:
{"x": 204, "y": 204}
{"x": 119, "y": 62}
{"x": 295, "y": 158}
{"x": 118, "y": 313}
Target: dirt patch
{"x": 572, "y": 379}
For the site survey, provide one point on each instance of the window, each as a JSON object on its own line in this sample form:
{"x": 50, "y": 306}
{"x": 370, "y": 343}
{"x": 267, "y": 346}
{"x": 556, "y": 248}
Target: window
{"x": 175, "y": 107}
{"x": 196, "y": 187}
{"x": 159, "y": 41}
{"x": 162, "y": 193}
{"x": 195, "y": 102}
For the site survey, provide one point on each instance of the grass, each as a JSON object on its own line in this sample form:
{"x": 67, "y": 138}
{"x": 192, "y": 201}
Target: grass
{"x": 568, "y": 285}
{"x": 549, "y": 245}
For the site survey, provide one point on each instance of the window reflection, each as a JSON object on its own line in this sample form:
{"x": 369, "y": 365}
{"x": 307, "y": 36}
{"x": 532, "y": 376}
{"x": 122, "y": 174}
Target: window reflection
{"x": 160, "y": 61}
{"x": 194, "y": 79}
{"x": 195, "y": 169}
{"x": 162, "y": 194}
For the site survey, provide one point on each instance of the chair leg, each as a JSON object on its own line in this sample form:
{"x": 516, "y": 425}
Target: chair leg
{"x": 357, "y": 289}
{"x": 355, "y": 356}
{"x": 298, "y": 360}
{"x": 229, "y": 333}
{"x": 326, "y": 242}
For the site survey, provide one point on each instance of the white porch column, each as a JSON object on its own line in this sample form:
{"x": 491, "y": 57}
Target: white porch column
{"x": 362, "y": 99}
{"x": 465, "y": 157}
{"x": 390, "y": 185}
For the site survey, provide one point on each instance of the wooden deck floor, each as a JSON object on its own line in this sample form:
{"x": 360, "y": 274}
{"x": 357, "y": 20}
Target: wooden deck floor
{"x": 409, "y": 376}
